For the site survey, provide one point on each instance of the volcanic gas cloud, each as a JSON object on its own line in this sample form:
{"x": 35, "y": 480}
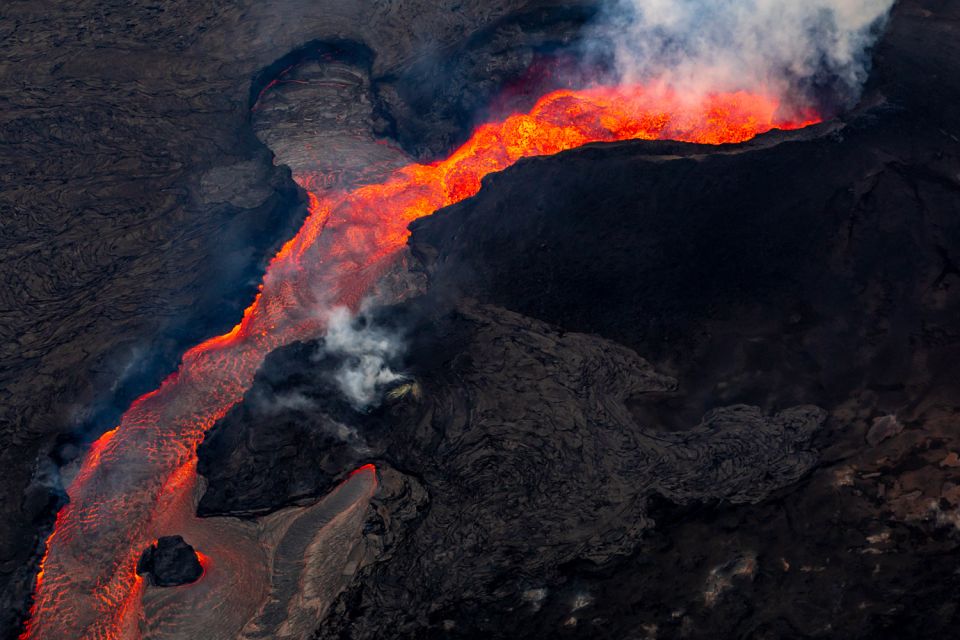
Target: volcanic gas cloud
{"x": 138, "y": 482}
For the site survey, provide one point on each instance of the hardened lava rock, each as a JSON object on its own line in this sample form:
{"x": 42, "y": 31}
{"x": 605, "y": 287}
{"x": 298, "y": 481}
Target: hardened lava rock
{"x": 516, "y": 456}
{"x": 533, "y": 463}
{"x": 170, "y": 562}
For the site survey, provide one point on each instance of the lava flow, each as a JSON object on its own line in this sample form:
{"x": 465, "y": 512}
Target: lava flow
{"x": 137, "y": 481}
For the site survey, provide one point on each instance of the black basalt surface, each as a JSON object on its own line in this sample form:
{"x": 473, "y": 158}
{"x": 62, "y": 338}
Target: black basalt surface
{"x": 170, "y": 562}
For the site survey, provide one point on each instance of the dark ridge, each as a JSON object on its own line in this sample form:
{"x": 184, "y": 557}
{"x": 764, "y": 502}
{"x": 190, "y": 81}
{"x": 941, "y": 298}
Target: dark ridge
{"x": 540, "y": 17}
{"x": 351, "y": 51}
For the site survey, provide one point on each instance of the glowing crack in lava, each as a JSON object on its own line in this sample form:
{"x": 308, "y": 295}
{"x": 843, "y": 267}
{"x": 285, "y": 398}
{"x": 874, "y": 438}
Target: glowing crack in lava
{"x": 138, "y": 482}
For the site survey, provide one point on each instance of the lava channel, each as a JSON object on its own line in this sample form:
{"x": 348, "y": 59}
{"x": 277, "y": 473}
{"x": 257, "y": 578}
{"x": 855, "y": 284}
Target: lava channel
{"x": 138, "y": 482}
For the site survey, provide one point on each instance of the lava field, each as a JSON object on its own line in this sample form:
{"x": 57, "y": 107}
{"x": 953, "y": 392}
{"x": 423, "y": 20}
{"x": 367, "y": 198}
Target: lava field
{"x": 519, "y": 319}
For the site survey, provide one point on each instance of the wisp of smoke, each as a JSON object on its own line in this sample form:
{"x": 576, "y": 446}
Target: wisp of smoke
{"x": 282, "y": 402}
{"x": 274, "y": 404}
{"x": 365, "y": 351}
{"x": 807, "y": 52}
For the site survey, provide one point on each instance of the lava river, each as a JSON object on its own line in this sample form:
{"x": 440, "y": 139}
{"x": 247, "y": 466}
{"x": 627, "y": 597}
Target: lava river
{"x": 139, "y": 482}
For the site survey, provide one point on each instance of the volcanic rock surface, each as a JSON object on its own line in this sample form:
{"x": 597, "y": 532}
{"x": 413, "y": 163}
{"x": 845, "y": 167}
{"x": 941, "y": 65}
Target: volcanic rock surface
{"x": 522, "y": 437}
{"x": 170, "y": 562}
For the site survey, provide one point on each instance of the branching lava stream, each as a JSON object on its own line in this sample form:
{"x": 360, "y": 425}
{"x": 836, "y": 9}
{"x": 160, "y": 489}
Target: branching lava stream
{"x": 138, "y": 481}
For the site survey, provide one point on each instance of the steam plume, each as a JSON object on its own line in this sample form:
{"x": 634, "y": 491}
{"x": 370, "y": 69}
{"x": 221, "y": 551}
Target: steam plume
{"x": 366, "y": 351}
{"x": 807, "y": 52}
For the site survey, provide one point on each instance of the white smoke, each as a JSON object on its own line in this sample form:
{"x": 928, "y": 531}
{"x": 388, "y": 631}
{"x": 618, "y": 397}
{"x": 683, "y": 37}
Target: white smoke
{"x": 283, "y": 402}
{"x": 275, "y": 404}
{"x": 365, "y": 351}
{"x": 789, "y": 48}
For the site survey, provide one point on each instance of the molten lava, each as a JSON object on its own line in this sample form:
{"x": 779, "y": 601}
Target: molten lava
{"x": 138, "y": 482}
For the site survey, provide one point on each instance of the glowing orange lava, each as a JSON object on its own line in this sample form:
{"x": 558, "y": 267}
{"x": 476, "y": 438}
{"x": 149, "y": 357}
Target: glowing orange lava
{"x": 136, "y": 478}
